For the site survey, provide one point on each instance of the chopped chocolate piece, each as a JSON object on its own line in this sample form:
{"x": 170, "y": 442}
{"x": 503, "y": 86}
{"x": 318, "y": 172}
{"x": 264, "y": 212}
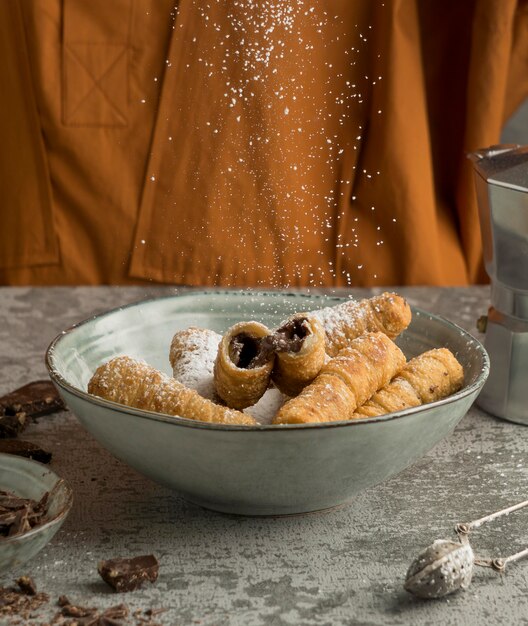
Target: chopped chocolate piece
{"x": 113, "y": 616}
{"x": 7, "y": 518}
{"x": 14, "y": 602}
{"x": 37, "y": 398}
{"x": 129, "y": 574}
{"x": 18, "y": 515}
{"x": 108, "y": 621}
{"x": 11, "y": 425}
{"x": 27, "y": 585}
{"x": 119, "y": 611}
{"x": 63, "y": 601}
{"x": 71, "y": 610}
{"x": 154, "y": 612}
{"x": 20, "y": 524}
{"x": 26, "y": 449}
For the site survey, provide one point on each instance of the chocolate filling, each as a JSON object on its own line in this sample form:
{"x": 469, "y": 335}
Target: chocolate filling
{"x": 291, "y": 335}
{"x": 248, "y": 352}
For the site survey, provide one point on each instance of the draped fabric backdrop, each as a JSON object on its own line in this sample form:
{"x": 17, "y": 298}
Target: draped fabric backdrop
{"x": 239, "y": 142}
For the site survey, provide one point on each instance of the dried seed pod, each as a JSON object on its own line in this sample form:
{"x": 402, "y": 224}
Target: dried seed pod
{"x": 442, "y": 568}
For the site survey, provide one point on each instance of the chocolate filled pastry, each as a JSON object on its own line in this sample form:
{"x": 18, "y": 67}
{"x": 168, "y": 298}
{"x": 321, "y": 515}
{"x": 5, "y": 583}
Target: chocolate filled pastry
{"x": 243, "y": 364}
{"x": 299, "y": 346}
{"x": 388, "y": 313}
{"x": 136, "y": 384}
{"x": 192, "y": 355}
{"x": 430, "y": 376}
{"x": 345, "y": 382}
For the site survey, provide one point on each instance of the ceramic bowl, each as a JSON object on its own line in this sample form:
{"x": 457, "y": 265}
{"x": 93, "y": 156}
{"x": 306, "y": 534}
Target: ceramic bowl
{"x": 256, "y": 470}
{"x": 29, "y": 479}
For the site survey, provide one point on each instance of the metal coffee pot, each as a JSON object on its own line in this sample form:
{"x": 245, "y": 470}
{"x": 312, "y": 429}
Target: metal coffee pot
{"x": 501, "y": 175}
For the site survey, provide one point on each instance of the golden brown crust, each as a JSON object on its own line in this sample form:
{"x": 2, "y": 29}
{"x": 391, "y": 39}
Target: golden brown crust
{"x": 388, "y": 313}
{"x": 136, "y": 384}
{"x": 428, "y": 377}
{"x": 434, "y": 374}
{"x": 294, "y": 370}
{"x": 240, "y": 387}
{"x": 395, "y": 396}
{"x": 345, "y": 382}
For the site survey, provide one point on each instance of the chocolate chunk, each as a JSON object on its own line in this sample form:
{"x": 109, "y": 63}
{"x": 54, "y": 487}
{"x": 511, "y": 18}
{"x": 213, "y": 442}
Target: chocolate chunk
{"x": 119, "y": 611}
{"x": 34, "y": 399}
{"x": 15, "y": 602}
{"x": 129, "y": 574}
{"x": 27, "y": 585}
{"x": 108, "y": 621}
{"x": 13, "y": 424}
{"x": 154, "y": 612}
{"x": 18, "y": 515}
{"x": 21, "y": 523}
{"x": 71, "y": 610}
{"x": 26, "y": 449}
{"x": 90, "y": 616}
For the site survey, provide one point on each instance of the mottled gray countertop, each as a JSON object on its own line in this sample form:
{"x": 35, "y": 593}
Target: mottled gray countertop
{"x": 345, "y": 566}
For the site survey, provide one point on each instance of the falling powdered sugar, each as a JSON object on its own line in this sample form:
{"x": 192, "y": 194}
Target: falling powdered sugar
{"x": 388, "y": 313}
{"x": 337, "y": 319}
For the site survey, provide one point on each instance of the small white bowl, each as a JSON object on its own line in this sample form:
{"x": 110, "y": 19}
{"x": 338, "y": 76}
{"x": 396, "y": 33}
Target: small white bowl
{"x": 255, "y": 470}
{"x": 29, "y": 479}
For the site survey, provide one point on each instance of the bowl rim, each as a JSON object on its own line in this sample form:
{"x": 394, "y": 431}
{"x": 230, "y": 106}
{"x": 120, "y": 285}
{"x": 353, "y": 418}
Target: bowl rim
{"x": 58, "y": 518}
{"x": 61, "y": 382}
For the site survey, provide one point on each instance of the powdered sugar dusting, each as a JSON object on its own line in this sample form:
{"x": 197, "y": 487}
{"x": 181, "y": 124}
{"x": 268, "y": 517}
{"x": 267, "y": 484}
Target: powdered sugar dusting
{"x": 387, "y": 313}
{"x": 193, "y": 353}
{"x": 338, "y": 318}
{"x": 134, "y": 383}
{"x": 266, "y": 408}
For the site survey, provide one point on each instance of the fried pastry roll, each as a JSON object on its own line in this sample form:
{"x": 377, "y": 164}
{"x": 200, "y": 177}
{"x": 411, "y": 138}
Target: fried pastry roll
{"x": 192, "y": 355}
{"x": 299, "y": 346}
{"x": 345, "y": 382}
{"x": 431, "y": 376}
{"x": 136, "y": 384}
{"x": 388, "y": 313}
{"x": 243, "y": 365}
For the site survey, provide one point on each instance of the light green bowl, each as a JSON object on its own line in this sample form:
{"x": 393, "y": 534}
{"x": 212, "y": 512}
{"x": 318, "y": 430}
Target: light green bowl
{"x": 29, "y": 479}
{"x": 255, "y": 470}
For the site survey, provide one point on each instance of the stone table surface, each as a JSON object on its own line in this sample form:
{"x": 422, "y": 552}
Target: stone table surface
{"x": 345, "y": 566}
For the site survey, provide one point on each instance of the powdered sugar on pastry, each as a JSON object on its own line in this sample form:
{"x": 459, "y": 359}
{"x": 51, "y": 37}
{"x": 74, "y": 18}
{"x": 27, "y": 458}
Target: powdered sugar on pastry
{"x": 264, "y": 410}
{"x": 388, "y": 313}
{"x": 192, "y": 356}
{"x": 136, "y": 384}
